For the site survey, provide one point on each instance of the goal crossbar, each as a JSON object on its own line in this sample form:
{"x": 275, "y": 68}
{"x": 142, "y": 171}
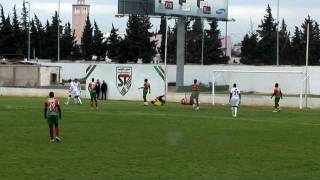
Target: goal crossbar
{"x": 278, "y": 72}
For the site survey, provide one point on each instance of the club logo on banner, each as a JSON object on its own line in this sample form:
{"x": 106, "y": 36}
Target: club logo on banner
{"x": 124, "y": 79}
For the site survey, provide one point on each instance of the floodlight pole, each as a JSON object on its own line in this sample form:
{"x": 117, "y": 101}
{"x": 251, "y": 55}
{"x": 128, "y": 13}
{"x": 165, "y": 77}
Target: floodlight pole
{"x": 29, "y": 29}
{"x": 202, "y": 47}
{"x": 58, "y": 31}
{"x": 278, "y": 41}
{"x": 307, "y": 64}
{"x": 165, "y": 59}
{"x": 226, "y": 40}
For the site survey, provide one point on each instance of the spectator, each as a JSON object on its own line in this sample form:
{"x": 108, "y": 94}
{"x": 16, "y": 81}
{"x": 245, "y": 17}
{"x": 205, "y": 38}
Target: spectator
{"x": 104, "y": 89}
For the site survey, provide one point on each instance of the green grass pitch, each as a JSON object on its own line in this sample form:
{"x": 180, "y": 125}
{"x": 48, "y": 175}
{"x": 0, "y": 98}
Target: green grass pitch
{"x": 125, "y": 140}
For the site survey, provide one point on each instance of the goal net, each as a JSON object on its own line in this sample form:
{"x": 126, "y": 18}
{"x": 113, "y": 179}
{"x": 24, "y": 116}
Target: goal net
{"x": 257, "y": 86}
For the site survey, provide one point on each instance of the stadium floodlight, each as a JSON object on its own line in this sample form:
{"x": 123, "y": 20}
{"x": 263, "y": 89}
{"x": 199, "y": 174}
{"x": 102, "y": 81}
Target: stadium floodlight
{"x": 260, "y": 82}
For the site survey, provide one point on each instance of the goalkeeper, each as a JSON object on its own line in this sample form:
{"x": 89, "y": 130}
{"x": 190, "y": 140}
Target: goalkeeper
{"x": 159, "y": 101}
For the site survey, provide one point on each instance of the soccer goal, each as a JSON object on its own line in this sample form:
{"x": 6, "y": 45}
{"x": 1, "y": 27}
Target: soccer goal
{"x": 257, "y": 86}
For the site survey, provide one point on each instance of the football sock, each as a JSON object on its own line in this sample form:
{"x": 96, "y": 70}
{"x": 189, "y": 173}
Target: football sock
{"x": 79, "y": 100}
{"x": 235, "y": 111}
{"x": 57, "y": 131}
{"x": 51, "y": 132}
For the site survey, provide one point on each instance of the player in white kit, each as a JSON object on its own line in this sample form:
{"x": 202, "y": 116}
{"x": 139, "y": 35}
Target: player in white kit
{"x": 75, "y": 90}
{"x": 235, "y": 100}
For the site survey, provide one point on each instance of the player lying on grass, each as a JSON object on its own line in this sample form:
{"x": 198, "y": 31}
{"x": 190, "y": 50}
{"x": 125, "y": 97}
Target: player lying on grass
{"x": 278, "y": 95}
{"x": 52, "y": 112}
{"x": 159, "y": 101}
{"x": 146, "y": 88}
{"x": 235, "y": 100}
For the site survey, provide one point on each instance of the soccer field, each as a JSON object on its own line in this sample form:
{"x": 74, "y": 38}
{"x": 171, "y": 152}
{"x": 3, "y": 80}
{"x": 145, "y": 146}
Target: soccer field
{"x": 125, "y": 140}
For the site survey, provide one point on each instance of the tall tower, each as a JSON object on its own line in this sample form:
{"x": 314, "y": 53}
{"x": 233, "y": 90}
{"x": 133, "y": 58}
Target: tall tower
{"x": 80, "y": 11}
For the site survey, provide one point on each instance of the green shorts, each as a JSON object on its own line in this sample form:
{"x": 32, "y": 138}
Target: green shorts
{"x": 195, "y": 95}
{"x": 145, "y": 92}
{"x": 52, "y": 120}
{"x": 277, "y": 100}
{"x": 93, "y": 95}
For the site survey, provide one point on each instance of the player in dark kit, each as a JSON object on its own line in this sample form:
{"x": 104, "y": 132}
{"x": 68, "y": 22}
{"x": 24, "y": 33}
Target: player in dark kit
{"x": 52, "y": 112}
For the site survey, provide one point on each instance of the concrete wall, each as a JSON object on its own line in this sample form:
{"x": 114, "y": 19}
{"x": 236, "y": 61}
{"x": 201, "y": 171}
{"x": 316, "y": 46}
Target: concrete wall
{"x": 113, "y": 75}
{"x": 46, "y": 71}
{"x": 251, "y": 82}
{"x": 18, "y": 75}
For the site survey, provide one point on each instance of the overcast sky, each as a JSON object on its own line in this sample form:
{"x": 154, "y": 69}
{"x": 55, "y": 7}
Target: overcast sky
{"x": 103, "y": 11}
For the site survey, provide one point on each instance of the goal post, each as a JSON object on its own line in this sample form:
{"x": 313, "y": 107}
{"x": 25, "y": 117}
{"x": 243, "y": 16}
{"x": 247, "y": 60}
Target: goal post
{"x": 259, "y": 82}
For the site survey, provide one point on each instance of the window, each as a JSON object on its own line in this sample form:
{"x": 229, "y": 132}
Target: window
{"x": 77, "y": 11}
{"x": 85, "y": 11}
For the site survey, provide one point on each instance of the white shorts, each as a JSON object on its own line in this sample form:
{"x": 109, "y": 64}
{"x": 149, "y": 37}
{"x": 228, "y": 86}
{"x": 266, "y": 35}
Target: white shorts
{"x": 75, "y": 93}
{"x": 235, "y": 101}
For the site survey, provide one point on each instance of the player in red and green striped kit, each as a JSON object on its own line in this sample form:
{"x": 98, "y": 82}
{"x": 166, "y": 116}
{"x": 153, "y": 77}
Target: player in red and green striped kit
{"x": 278, "y": 95}
{"x": 52, "y": 112}
{"x": 195, "y": 94}
{"x": 146, "y": 88}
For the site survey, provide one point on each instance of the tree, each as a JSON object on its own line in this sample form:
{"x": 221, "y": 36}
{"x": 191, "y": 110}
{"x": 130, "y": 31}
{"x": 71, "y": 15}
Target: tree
{"x": 297, "y": 55}
{"x": 137, "y": 40}
{"x": 67, "y": 42}
{"x": 284, "y": 44}
{"x": 40, "y": 40}
{"x": 213, "y": 53}
{"x": 7, "y": 46}
{"x": 98, "y": 43}
{"x": 17, "y": 38}
{"x": 249, "y": 48}
{"x": 113, "y": 44}
{"x": 87, "y": 41}
{"x": 162, "y": 31}
{"x": 195, "y": 42}
{"x": 314, "y": 43}
{"x": 172, "y": 45}
{"x": 2, "y": 35}
{"x": 267, "y": 44}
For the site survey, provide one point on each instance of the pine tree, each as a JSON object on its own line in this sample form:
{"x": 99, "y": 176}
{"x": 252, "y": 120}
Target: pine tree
{"x": 137, "y": 44}
{"x": 162, "y": 31}
{"x": 172, "y": 45}
{"x": 195, "y": 42}
{"x": 2, "y": 35}
{"x": 213, "y": 53}
{"x": 313, "y": 51}
{"x": 98, "y": 43}
{"x": 8, "y": 46}
{"x": 268, "y": 44}
{"x": 17, "y": 38}
{"x": 113, "y": 44}
{"x": 297, "y": 47}
{"x": 87, "y": 41}
{"x": 40, "y": 42}
{"x": 249, "y": 54}
{"x": 67, "y": 42}
{"x": 284, "y": 44}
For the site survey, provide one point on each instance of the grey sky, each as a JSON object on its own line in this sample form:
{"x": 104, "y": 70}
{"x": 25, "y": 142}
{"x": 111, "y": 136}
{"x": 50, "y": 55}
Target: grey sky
{"x": 103, "y": 11}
